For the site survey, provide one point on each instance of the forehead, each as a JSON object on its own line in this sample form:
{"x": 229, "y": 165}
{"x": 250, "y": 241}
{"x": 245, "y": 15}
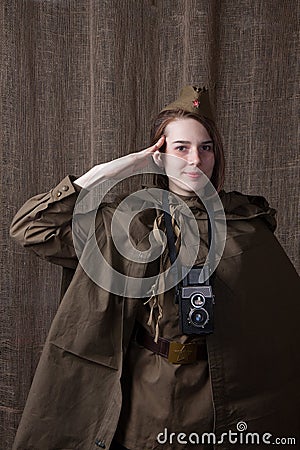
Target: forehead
{"x": 186, "y": 128}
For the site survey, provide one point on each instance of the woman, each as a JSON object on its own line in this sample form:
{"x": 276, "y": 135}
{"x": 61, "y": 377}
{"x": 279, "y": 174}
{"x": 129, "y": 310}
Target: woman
{"x": 105, "y": 378}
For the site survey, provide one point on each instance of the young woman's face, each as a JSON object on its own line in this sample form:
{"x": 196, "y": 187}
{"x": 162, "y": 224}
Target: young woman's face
{"x": 189, "y": 141}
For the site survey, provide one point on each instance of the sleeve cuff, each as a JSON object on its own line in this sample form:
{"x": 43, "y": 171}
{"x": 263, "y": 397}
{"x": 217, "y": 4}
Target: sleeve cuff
{"x": 65, "y": 188}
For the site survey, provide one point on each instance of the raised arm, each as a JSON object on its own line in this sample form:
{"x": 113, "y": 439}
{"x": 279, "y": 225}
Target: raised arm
{"x": 44, "y": 222}
{"x": 123, "y": 167}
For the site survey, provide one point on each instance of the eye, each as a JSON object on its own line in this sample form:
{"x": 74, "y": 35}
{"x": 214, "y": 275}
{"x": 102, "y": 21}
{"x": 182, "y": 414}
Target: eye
{"x": 181, "y": 148}
{"x": 207, "y": 147}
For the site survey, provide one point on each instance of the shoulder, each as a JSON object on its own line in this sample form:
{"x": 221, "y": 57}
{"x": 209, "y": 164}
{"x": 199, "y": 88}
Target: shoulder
{"x": 244, "y": 206}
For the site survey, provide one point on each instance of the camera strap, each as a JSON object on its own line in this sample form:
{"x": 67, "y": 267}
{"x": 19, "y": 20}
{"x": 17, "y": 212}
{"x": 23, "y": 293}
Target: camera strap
{"x": 171, "y": 236}
{"x": 170, "y": 240}
{"x": 169, "y": 228}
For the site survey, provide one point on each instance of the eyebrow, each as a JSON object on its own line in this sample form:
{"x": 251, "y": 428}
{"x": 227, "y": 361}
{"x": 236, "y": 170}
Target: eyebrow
{"x": 188, "y": 142}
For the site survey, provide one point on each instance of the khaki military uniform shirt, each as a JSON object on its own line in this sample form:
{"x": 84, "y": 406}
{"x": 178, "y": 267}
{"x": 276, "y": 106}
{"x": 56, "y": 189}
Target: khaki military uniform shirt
{"x": 160, "y": 398}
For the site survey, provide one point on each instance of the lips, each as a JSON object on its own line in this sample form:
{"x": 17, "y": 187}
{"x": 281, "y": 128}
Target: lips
{"x": 193, "y": 174}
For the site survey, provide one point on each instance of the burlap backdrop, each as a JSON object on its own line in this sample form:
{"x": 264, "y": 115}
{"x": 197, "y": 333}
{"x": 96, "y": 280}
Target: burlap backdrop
{"x": 80, "y": 80}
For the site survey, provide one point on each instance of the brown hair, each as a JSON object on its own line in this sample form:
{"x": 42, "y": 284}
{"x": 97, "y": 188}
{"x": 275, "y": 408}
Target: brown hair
{"x": 165, "y": 117}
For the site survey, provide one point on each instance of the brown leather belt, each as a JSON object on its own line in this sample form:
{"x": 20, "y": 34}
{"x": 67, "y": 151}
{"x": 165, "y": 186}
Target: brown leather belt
{"x": 176, "y": 352}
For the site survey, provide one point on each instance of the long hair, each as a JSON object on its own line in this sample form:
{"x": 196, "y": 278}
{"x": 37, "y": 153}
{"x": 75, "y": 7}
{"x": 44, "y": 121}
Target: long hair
{"x": 165, "y": 117}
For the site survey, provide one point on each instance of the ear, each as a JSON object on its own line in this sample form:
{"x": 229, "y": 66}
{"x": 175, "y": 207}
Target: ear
{"x": 158, "y": 159}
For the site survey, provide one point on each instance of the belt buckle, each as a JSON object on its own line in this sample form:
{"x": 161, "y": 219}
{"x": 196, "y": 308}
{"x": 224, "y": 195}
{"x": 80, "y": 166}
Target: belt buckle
{"x": 182, "y": 353}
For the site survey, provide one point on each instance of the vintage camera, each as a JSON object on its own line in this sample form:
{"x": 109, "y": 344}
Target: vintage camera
{"x": 196, "y": 300}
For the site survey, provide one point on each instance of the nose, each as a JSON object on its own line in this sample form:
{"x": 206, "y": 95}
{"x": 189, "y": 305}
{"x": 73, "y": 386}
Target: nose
{"x": 194, "y": 157}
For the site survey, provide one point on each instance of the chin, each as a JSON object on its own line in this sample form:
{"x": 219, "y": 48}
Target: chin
{"x": 180, "y": 184}
{"x": 185, "y": 190}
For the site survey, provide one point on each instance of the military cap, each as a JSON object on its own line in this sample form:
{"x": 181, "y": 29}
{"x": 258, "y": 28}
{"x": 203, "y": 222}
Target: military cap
{"x": 193, "y": 99}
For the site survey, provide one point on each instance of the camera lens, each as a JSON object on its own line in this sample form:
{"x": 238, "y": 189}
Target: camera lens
{"x": 197, "y": 300}
{"x": 198, "y": 317}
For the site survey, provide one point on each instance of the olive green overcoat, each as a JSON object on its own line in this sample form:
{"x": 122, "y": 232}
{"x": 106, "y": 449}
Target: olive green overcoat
{"x": 75, "y": 398}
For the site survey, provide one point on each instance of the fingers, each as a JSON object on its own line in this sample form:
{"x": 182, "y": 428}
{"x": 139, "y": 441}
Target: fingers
{"x": 158, "y": 144}
{"x": 153, "y": 149}
{"x": 156, "y": 155}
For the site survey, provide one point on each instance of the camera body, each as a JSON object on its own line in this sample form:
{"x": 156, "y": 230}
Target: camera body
{"x": 196, "y": 302}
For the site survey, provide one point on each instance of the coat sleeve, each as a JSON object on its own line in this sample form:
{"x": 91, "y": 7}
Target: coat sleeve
{"x": 44, "y": 224}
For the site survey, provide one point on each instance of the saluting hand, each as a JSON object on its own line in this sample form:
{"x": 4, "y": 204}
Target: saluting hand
{"x": 120, "y": 167}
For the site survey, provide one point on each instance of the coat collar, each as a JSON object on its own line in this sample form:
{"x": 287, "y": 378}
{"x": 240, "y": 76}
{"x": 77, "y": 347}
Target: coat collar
{"x": 237, "y": 206}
